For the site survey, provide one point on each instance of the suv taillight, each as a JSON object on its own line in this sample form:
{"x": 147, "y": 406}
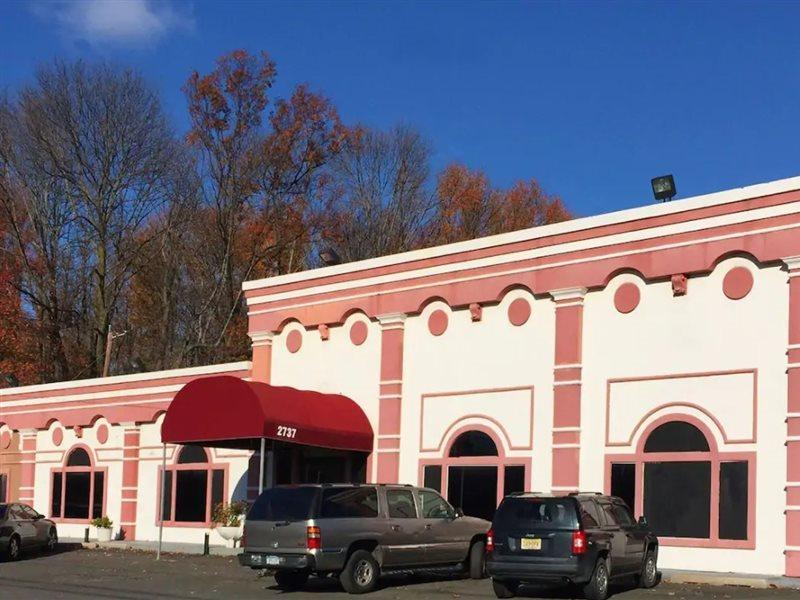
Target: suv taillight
{"x": 313, "y": 538}
{"x": 490, "y": 540}
{"x": 579, "y": 542}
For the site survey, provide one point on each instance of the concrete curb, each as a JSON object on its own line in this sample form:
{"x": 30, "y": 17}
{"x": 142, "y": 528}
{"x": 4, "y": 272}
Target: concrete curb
{"x": 167, "y": 547}
{"x": 729, "y": 579}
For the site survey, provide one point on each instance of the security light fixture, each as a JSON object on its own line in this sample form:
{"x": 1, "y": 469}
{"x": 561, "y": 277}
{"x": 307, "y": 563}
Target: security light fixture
{"x": 329, "y": 257}
{"x": 11, "y": 380}
{"x": 663, "y": 187}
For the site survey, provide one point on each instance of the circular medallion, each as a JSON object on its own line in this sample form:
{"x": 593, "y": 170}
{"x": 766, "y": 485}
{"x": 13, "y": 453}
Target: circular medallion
{"x": 358, "y": 333}
{"x": 519, "y": 311}
{"x": 437, "y": 322}
{"x": 627, "y": 297}
{"x": 294, "y": 340}
{"x": 737, "y": 283}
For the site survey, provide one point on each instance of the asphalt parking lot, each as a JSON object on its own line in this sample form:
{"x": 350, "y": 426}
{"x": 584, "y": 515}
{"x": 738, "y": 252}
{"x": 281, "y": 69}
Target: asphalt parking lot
{"x": 78, "y": 573}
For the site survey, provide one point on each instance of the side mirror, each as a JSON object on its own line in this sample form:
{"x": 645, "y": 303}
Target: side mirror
{"x": 38, "y": 517}
{"x": 458, "y": 513}
{"x": 642, "y": 522}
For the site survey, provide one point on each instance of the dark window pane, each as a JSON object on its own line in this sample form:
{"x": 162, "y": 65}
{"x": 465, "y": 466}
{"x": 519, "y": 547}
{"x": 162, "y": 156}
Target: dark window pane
{"x": 284, "y": 504}
{"x": 166, "y": 507}
{"x": 78, "y": 458}
{"x": 434, "y": 506}
{"x": 473, "y": 490}
{"x": 676, "y": 436}
{"x": 190, "y": 496}
{"x": 349, "y": 502}
{"x": 55, "y": 508}
{"x": 622, "y": 514}
{"x": 733, "y": 501}
{"x": 76, "y": 495}
{"x": 677, "y": 498}
{"x": 192, "y": 454}
{"x": 532, "y": 514}
{"x": 473, "y": 443}
{"x": 514, "y": 480}
{"x": 217, "y": 487}
{"x": 3, "y": 487}
{"x": 432, "y": 477}
{"x": 358, "y": 470}
{"x": 97, "y": 504}
{"x": 608, "y": 515}
{"x": 623, "y": 483}
{"x": 589, "y": 514}
{"x": 401, "y": 504}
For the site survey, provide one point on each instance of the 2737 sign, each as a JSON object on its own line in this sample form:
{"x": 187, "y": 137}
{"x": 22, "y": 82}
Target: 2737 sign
{"x": 286, "y": 432}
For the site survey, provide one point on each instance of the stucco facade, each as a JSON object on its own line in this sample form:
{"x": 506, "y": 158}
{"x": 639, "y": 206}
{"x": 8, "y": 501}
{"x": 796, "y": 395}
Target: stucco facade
{"x": 567, "y": 345}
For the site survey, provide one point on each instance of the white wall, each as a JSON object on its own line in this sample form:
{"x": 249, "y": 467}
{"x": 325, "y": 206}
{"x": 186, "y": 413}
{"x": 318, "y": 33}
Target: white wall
{"x": 701, "y": 332}
{"x": 474, "y": 356}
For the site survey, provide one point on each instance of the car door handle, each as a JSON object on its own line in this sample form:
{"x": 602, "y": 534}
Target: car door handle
{"x": 428, "y": 526}
{"x": 395, "y": 527}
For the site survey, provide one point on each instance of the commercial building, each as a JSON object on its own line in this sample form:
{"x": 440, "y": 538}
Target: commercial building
{"x": 653, "y": 353}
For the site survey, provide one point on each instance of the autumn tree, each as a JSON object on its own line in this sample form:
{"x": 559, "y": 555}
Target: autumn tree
{"x": 260, "y": 170}
{"x": 469, "y": 207}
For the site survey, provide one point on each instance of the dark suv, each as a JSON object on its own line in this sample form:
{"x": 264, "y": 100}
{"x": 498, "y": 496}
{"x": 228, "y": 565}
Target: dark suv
{"x": 580, "y": 539}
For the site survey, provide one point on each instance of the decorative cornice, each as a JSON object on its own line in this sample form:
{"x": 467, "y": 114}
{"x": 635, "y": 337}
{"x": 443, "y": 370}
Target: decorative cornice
{"x": 392, "y": 320}
{"x": 792, "y": 263}
{"x": 261, "y": 338}
{"x": 577, "y": 293}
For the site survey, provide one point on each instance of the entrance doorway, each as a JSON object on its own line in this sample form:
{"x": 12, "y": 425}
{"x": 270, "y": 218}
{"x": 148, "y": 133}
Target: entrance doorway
{"x": 474, "y": 474}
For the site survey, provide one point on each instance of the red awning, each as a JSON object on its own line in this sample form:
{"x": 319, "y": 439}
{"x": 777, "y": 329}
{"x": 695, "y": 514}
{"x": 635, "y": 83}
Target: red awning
{"x": 229, "y": 411}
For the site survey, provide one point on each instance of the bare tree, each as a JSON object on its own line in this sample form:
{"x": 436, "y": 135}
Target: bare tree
{"x": 88, "y": 156}
{"x": 383, "y": 203}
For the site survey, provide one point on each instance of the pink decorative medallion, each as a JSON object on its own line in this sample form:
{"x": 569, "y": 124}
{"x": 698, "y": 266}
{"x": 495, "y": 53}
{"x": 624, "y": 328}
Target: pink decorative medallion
{"x": 627, "y": 297}
{"x": 294, "y": 340}
{"x": 358, "y": 333}
{"x": 102, "y": 433}
{"x": 5, "y": 440}
{"x": 519, "y": 311}
{"x": 58, "y": 436}
{"x": 737, "y": 283}
{"x": 437, "y": 322}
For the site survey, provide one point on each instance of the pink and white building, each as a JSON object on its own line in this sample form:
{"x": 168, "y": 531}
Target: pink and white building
{"x": 652, "y": 352}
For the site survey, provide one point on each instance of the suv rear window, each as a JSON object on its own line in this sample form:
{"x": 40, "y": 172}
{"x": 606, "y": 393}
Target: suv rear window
{"x": 3, "y": 510}
{"x": 341, "y": 503}
{"x": 537, "y": 513}
{"x": 284, "y": 504}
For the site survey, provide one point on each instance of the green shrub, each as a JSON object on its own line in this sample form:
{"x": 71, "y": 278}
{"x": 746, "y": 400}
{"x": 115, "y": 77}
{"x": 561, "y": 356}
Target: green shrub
{"x": 102, "y": 522}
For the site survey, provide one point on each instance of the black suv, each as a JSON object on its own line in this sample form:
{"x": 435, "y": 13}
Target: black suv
{"x": 581, "y": 539}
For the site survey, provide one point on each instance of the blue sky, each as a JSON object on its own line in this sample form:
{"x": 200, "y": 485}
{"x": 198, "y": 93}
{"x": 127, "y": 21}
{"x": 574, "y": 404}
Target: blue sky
{"x": 593, "y": 99}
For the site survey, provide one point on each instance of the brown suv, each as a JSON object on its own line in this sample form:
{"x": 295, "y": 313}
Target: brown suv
{"x": 356, "y": 532}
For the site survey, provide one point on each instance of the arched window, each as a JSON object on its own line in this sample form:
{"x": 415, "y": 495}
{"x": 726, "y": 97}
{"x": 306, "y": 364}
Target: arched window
{"x": 78, "y": 488}
{"x": 685, "y": 488}
{"x": 475, "y": 473}
{"x": 473, "y": 443}
{"x": 193, "y": 486}
{"x": 676, "y": 436}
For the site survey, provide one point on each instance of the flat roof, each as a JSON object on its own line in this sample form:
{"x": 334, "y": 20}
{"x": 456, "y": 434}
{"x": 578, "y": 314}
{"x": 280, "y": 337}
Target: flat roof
{"x": 579, "y": 224}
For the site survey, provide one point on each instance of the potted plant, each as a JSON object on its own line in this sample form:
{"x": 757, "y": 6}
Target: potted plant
{"x": 228, "y": 519}
{"x": 103, "y": 526}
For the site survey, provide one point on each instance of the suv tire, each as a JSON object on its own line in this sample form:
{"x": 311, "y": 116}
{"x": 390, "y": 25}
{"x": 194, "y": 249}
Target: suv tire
{"x": 649, "y": 575}
{"x": 14, "y": 549}
{"x": 291, "y": 580}
{"x": 477, "y": 560}
{"x": 597, "y": 588}
{"x": 505, "y": 589}
{"x": 360, "y": 574}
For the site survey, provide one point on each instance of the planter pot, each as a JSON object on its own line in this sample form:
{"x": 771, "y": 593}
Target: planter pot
{"x": 104, "y": 534}
{"x": 230, "y": 533}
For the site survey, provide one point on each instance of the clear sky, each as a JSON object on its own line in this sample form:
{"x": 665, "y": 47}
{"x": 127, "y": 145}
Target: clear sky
{"x": 593, "y": 99}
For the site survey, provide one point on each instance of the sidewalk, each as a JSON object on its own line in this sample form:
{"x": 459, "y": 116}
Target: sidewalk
{"x": 172, "y": 547}
{"x": 735, "y": 579}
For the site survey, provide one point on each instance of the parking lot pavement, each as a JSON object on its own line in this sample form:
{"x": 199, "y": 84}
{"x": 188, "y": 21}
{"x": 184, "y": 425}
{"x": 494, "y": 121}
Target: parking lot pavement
{"x": 79, "y": 573}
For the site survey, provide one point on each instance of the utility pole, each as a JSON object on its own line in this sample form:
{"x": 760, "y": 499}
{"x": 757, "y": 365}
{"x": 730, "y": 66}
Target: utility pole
{"x": 109, "y": 342}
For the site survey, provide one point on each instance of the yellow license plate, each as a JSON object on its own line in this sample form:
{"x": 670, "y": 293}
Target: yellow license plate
{"x": 531, "y": 543}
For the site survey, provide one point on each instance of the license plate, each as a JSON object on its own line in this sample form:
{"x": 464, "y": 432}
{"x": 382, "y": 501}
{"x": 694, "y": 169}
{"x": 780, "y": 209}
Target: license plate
{"x": 531, "y": 543}
{"x": 261, "y": 559}
{"x": 273, "y": 560}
